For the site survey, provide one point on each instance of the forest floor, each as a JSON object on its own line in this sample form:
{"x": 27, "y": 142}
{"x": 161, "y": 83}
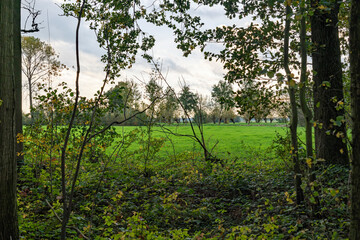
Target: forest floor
{"x": 249, "y": 194}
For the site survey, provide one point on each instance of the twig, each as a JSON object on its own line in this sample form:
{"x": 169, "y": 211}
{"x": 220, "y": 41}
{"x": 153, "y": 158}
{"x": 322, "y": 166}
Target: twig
{"x": 53, "y": 210}
{"x": 207, "y": 154}
{"x": 116, "y": 122}
{"x": 34, "y": 13}
{"x": 58, "y": 218}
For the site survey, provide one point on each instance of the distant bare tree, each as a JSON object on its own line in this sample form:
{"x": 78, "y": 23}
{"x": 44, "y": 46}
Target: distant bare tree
{"x": 39, "y": 62}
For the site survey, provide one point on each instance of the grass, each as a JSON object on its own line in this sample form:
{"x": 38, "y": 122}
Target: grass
{"x": 226, "y": 140}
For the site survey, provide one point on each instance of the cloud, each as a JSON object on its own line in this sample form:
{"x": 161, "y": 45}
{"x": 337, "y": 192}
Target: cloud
{"x": 169, "y": 64}
{"x": 199, "y": 73}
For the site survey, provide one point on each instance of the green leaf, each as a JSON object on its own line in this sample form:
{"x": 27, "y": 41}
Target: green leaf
{"x": 326, "y": 84}
{"x": 270, "y": 74}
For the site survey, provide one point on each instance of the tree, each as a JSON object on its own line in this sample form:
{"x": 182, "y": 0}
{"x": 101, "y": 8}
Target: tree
{"x": 214, "y": 112}
{"x": 116, "y": 26}
{"x": 294, "y": 112}
{"x": 355, "y": 99}
{"x": 229, "y": 115}
{"x": 39, "y": 62}
{"x": 188, "y": 100}
{"x": 154, "y": 93}
{"x": 125, "y": 95}
{"x": 9, "y": 70}
{"x": 255, "y": 100}
{"x": 222, "y": 93}
{"x": 248, "y": 52}
{"x": 153, "y": 89}
{"x": 201, "y": 110}
{"x": 169, "y": 105}
{"x": 330, "y": 133}
{"x": 122, "y": 101}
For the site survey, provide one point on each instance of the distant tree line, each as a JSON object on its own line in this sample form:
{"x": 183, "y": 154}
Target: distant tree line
{"x": 253, "y": 101}
{"x": 169, "y": 107}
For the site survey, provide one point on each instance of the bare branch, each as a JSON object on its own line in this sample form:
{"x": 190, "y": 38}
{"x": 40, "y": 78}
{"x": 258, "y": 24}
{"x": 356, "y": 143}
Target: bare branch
{"x": 33, "y": 14}
{"x": 120, "y": 122}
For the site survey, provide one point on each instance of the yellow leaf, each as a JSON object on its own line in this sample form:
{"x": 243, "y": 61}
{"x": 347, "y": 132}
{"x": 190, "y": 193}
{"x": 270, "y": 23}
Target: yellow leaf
{"x": 288, "y": 2}
{"x": 291, "y": 83}
{"x": 309, "y": 162}
{"x": 120, "y": 194}
{"x": 341, "y": 151}
{"x": 288, "y": 198}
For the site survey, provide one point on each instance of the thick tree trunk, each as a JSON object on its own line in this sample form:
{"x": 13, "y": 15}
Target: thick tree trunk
{"x": 8, "y": 210}
{"x": 328, "y": 85}
{"x": 355, "y": 100}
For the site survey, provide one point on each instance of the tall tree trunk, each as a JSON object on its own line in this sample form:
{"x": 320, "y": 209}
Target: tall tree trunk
{"x": 303, "y": 81}
{"x": 9, "y": 9}
{"x": 355, "y": 100}
{"x": 328, "y": 84}
{"x": 304, "y": 106}
{"x": 31, "y": 100}
{"x": 294, "y": 113}
{"x": 18, "y": 93}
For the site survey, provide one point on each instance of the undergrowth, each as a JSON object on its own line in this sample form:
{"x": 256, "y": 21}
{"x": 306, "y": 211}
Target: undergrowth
{"x": 126, "y": 189}
{"x": 183, "y": 199}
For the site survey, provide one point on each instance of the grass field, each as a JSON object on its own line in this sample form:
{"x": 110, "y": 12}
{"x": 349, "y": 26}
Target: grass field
{"x": 230, "y": 140}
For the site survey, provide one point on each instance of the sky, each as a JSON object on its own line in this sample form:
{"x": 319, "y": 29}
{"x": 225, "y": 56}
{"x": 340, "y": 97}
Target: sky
{"x": 59, "y": 31}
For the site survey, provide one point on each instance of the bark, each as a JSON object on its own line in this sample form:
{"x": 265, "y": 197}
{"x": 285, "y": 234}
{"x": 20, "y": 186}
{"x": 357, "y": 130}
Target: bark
{"x": 355, "y": 100}
{"x": 303, "y": 80}
{"x": 304, "y": 106}
{"x": 327, "y": 68}
{"x": 31, "y": 99}
{"x": 18, "y": 94}
{"x": 9, "y": 13}
{"x": 294, "y": 113}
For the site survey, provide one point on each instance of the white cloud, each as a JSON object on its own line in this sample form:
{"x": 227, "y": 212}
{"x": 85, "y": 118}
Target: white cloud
{"x": 199, "y": 73}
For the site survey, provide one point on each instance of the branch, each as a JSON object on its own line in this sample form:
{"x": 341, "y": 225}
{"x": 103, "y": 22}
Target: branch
{"x": 34, "y": 13}
{"x": 67, "y": 211}
{"x": 121, "y": 122}
{"x": 58, "y": 218}
{"x": 202, "y": 143}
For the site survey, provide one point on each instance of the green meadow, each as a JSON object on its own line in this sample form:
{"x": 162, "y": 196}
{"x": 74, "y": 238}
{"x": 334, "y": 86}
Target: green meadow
{"x": 225, "y": 140}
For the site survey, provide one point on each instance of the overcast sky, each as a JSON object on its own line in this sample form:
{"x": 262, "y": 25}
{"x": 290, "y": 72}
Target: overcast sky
{"x": 199, "y": 73}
